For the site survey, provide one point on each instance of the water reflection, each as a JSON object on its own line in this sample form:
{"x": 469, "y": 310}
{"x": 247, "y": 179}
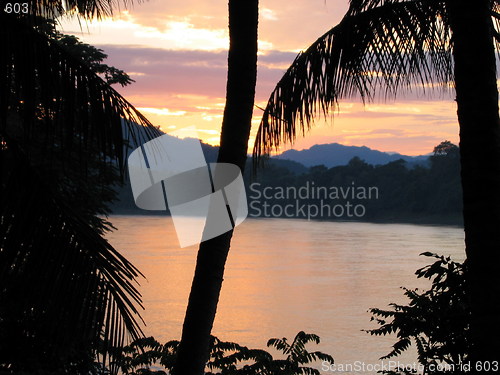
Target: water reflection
{"x": 283, "y": 276}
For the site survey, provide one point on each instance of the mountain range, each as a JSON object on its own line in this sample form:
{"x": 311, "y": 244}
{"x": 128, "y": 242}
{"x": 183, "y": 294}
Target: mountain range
{"x": 289, "y": 163}
{"x": 330, "y": 155}
{"x": 334, "y": 154}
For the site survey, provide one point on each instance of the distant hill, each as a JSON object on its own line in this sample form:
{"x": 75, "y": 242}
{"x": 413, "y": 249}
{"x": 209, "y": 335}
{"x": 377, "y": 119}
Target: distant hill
{"x": 403, "y": 193}
{"x": 335, "y": 154}
{"x": 125, "y": 203}
{"x": 211, "y": 152}
{"x": 329, "y": 155}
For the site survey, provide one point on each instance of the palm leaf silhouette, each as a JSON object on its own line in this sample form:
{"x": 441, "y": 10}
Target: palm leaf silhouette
{"x": 59, "y": 99}
{"x": 378, "y": 47}
{"x": 388, "y": 46}
{"x": 65, "y": 289}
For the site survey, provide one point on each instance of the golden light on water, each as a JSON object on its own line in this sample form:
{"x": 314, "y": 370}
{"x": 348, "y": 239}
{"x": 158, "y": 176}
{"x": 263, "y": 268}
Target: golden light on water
{"x": 286, "y": 275}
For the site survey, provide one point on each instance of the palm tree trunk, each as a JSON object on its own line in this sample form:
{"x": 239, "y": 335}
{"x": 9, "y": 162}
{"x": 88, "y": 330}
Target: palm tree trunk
{"x": 477, "y": 100}
{"x": 212, "y": 254}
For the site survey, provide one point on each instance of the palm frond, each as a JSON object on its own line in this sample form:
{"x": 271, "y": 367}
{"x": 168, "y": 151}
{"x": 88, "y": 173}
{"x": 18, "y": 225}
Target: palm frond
{"x": 495, "y": 15}
{"x": 49, "y": 97}
{"x": 379, "y": 47}
{"x": 64, "y": 287}
{"x": 86, "y": 9}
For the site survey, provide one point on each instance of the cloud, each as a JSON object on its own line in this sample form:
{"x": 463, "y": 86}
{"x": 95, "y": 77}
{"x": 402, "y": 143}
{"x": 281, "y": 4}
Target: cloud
{"x": 180, "y": 88}
{"x": 384, "y": 114}
{"x": 284, "y": 25}
{"x": 173, "y": 34}
{"x": 268, "y": 14}
{"x": 185, "y": 35}
{"x": 168, "y": 73}
{"x": 192, "y": 83}
{"x": 178, "y": 33}
{"x": 177, "y": 53}
{"x": 162, "y": 111}
{"x": 163, "y": 75}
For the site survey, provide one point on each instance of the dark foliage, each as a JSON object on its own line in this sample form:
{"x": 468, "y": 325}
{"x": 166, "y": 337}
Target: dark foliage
{"x": 437, "y": 321}
{"x": 64, "y": 289}
{"x": 146, "y": 356}
{"x": 379, "y": 47}
{"x": 421, "y": 194}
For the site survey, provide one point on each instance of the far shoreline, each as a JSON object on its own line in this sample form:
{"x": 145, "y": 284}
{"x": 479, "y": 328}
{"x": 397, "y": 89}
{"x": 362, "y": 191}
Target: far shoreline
{"x": 434, "y": 220}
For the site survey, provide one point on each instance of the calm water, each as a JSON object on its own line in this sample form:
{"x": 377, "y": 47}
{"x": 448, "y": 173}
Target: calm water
{"x": 283, "y": 276}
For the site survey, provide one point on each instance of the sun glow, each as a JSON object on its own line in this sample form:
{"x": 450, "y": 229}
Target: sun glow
{"x": 126, "y": 30}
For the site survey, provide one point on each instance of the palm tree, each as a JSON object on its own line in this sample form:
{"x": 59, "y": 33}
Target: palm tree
{"x": 297, "y": 355}
{"x": 385, "y": 47}
{"x": 212, "y": 254}
{"x": 65, "y": 290}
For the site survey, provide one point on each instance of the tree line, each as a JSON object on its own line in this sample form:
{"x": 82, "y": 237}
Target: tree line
{"x": 390, "y": 192}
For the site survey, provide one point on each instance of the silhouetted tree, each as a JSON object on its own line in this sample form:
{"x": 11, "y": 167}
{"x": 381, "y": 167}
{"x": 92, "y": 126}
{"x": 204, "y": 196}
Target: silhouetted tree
{"x": 445, "y": 148}
{"x": 65, "y": 289}
{"x": 212, "y": 254}
{"x": 392, "y": 45}
{"x": 226, "y": 358}
{"x": 436, "y": 321}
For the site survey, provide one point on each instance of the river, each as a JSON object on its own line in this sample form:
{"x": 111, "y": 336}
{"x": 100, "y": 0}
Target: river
{"x": 287, "y": 275}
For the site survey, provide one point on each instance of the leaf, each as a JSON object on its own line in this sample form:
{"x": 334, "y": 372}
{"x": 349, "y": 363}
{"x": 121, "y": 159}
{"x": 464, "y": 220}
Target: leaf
{"x": 49, "y": 97}
{"x": 66, "y": 285}
{"x": 380, "y": 47}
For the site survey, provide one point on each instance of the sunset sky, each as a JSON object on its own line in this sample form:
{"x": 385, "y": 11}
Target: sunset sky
{"x": 176, "y": 51}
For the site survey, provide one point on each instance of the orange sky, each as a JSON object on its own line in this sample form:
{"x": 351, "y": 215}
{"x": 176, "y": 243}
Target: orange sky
{"x": 176, "y": 53}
